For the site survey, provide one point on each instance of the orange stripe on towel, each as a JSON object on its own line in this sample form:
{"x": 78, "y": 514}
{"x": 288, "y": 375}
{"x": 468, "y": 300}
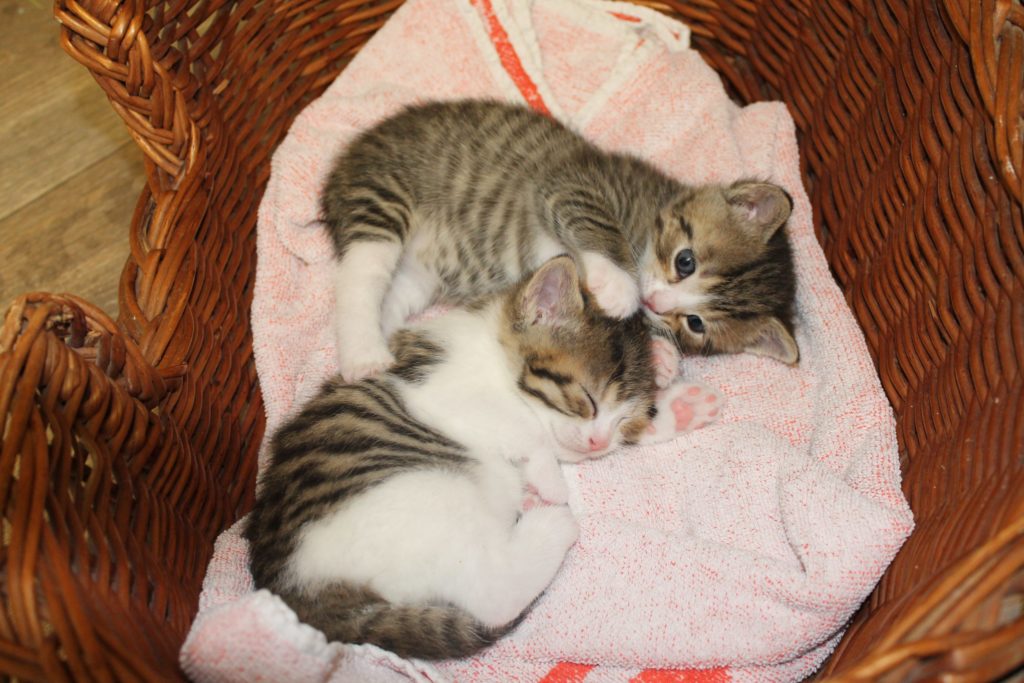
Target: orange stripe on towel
{"x": 509, "y": 59}
{"x": 567, "y": 672}
{"x": 683, "y": 676}
{"x": 625, "y": 17}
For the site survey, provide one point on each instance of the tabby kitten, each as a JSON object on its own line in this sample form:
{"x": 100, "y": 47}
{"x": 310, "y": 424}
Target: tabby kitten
{"x": 392, "y": 510}
{"x": 452, "y": 201}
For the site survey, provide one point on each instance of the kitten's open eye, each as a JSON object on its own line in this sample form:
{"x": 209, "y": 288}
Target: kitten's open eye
{"x": 685, "y": 263}
{"x": 695, "y": 324}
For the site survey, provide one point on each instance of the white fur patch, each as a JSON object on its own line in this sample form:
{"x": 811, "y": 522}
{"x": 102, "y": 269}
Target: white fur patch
{"x": 361, "y": 279}
{"x": 615, "y": 290}
{"x": 412, "y": 289}
{"x": 425, "y": 535}
{"x": 546, "y": 248}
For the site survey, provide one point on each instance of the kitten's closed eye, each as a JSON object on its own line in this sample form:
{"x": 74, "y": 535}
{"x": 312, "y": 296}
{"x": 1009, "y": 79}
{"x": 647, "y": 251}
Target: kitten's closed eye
{"x": 593, "y": 404}
{"x": 578, "y": 402}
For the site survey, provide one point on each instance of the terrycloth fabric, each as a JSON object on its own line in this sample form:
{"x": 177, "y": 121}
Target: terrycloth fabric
{"x": 738, "y": 551}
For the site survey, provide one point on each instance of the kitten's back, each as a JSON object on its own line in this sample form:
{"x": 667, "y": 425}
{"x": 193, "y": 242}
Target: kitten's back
{"x": 347, "y": 440}
{"x": 468, "y": 160}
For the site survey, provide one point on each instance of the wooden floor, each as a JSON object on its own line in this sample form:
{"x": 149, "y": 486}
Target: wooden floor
{"x": 69, "y": 173}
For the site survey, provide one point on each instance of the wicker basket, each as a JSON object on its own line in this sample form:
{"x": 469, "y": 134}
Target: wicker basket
{"x": 129, "y": 444}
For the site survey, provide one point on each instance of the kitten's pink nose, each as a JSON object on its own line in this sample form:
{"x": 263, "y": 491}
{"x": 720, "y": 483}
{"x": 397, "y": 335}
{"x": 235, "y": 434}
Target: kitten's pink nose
{"x": 598, "y": 443}
{"x": 649, "y": 303}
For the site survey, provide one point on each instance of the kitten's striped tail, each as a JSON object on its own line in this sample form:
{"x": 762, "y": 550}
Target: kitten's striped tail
{"x": 420, "y": 632}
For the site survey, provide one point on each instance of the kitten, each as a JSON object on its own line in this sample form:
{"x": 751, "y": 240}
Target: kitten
{"x": 452, "y": 201}
{"x": 392, "y": 511}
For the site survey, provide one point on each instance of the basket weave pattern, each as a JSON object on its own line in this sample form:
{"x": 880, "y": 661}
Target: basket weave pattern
{"x": 129, "y": 444}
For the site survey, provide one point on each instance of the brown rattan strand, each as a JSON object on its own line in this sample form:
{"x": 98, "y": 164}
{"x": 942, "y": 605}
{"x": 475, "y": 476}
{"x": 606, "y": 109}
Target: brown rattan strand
{"x": 129, "y": 445}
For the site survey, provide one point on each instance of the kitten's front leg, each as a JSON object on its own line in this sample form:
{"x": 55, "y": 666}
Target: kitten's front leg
{"x": 582, "y": 219}
{"x": 683, "y": 407}
{"x": 615, "y": 290}
{"x": 361, "y": 279}
{"x": 544, "y": 475}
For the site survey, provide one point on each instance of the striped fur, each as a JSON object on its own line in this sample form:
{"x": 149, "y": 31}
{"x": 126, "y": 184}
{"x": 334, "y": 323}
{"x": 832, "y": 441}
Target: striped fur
{"x": 391, "y": 511}
{"x": 476, "y": 193}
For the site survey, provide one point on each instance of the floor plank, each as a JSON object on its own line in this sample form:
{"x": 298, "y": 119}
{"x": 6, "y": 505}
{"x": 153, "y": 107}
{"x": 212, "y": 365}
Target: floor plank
{"x": 69, "y": 172}
{"x": 75, "y": 238}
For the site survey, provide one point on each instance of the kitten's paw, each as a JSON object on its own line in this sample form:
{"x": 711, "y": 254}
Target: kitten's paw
{"x": 615, "y": 290}
{"x": 545, "y": 478}
{"x": 557, "y": 493}
{"x": 683, "y": 407}
{"x": 364, "y": 361}
{"x": 553, "y": 491}
{"x": 666, "y": 361}
{"x": 532, "y": 499}
{"x": 552, "y": 527}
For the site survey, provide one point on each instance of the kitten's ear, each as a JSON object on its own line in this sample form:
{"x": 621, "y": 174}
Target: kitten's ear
{"x": 775, "y": 341}
{"x": 552, "y": 296}
{"x": 762, "y": 206}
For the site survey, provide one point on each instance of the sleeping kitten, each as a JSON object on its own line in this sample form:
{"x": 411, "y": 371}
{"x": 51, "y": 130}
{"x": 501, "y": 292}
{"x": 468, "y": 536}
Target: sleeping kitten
{"x": 452, "y": 201}
{"x": 392, "y": 511}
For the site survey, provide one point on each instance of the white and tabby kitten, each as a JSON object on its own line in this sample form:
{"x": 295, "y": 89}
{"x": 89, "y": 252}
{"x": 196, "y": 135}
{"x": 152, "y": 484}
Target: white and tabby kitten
{"x": 452, "y": 201}
{"x": 392, "y": 511}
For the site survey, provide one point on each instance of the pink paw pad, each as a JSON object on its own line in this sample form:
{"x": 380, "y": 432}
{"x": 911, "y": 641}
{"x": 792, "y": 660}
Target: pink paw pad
{"x": 683, "y": 412}
{"x": 683, "y": 407}
{"x": 693, "y": 405}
